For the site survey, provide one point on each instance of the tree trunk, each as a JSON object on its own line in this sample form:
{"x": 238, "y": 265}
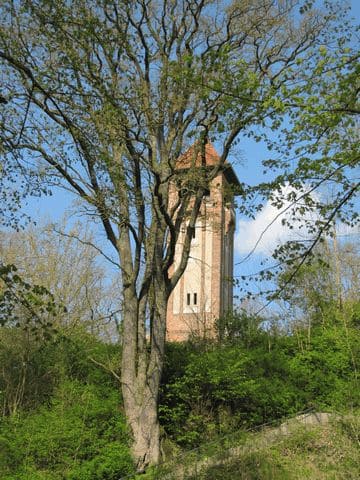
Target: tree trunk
{"x": 141, "y": 375}
{"x": 146, "y": 430}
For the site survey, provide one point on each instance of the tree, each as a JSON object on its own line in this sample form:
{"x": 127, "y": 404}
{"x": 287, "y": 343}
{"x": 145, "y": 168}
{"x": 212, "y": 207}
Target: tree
{"x": 324, "y": 294}
{"x": 103, "y": 98}
{"x": 70, "y": 269}
{"x": 331, "y": 283}
{"x": 316, "y": 157}
{"x": 30, "y": 306}
{"x": 34, "y": 321}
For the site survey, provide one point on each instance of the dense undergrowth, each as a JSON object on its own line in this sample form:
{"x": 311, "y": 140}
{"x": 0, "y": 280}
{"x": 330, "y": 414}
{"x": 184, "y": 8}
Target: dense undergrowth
{"x": 61, "y": 406}
{"x": 61, "y": 415}
{"x": 213, "y": 389}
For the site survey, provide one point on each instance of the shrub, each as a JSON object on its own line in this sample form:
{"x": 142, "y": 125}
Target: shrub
{"x": 81, "y": 435}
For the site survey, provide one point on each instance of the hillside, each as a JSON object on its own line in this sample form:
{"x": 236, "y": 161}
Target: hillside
{"x": 294, "y": 451}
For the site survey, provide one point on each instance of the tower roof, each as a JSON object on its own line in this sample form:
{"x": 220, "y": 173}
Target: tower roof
{"x": 192, "y": 158}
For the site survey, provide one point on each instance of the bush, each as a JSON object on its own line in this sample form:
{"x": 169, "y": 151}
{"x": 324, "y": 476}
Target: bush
{"x": 81, "y": 435}
{"x": 220, "y": 387}
{"x": 226, "y": 388}
{"x": 32, "y": 368}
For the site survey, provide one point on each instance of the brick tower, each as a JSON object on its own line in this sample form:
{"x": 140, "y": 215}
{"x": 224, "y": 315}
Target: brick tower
{"x": 205, "y": 291}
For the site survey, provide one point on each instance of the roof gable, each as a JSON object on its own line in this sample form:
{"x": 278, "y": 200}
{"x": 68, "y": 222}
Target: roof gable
{"x": 193, "y": 158}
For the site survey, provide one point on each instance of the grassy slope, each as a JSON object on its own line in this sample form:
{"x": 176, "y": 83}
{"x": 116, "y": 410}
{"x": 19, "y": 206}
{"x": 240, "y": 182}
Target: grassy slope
{"x": 319, "y": 453}
{"x": 329, "y": 452}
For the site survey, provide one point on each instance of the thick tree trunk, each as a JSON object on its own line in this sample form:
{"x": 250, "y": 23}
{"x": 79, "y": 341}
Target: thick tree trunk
{"x": 146, "y": 431}
{"x": 141, "y": 375}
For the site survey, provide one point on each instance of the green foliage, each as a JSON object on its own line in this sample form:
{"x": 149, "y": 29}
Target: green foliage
{"x": 67, "y": 423}
{"x": 24, "y": 304}
{"x": 325, "y": 371}
{"x": 69, "y": 426}
{"x": 239, "y": 327}
{"x": 28, "y": 373}
{"x": 228, "y": 386}
{"x": 32, "y": 367}
{"x": 223, "y": 389}
{"x": 80, "y": 435}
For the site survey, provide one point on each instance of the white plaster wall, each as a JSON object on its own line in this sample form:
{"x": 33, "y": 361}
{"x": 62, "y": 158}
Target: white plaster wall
{"x": 192, "y": 276}
{"x": 207, "y": 301}
{"x": 176, "y": 291}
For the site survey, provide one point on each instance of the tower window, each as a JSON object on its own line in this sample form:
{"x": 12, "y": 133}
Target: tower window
{"x": 192, "y": 297}
{"x": 193, "y": 232}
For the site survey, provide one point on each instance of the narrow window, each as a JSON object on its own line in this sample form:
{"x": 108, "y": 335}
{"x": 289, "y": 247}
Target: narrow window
{"x": 193, "y": 232}
{"x": 195, "y": 298}
{"x": 188, "y": 299}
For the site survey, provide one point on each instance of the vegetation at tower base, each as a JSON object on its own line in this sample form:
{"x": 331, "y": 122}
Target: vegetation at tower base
{"x": 101, "y": 98}
{"x": 232, "y": 387}
{"x": 72, "y": 426}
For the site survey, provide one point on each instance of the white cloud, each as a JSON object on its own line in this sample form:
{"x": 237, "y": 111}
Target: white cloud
{"x": 266, "y": 231}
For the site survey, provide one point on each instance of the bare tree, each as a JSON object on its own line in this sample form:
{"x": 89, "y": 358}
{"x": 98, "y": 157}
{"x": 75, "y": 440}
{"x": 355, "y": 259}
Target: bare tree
{"x": 70, "y": 268}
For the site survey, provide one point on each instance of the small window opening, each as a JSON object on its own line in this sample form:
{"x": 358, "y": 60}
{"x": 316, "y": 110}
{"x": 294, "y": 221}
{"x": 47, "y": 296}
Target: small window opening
{"x": 193, "y": 232}
{"x": 188, "y": 299}
{"x": 195, "y": 298}
{"x": 207, "y": 194}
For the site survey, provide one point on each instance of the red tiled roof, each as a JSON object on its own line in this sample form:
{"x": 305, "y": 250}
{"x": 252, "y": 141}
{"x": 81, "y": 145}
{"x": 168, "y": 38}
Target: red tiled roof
{"x": 188, "y": 160}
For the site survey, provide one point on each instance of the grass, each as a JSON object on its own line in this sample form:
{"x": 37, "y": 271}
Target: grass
{"x": 322, "y": 452}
